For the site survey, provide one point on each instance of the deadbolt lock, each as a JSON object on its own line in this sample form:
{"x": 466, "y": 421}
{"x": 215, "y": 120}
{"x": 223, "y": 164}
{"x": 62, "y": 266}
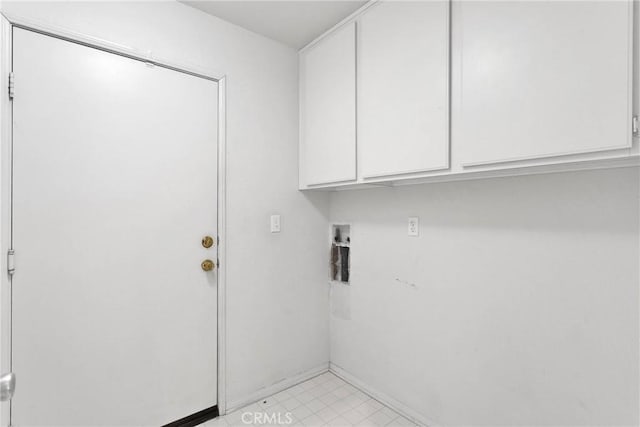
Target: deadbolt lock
{"x": 207, "y": 265}
{"x": 207, "y": 241}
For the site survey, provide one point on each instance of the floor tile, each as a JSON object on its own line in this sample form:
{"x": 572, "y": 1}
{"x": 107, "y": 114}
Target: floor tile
{"x": 373, "y": 404}
{"x": 306, "y": 385}
{"x": 302, "y": 412}
{"x": 269, "y": 401}
{"x": 401, "y": 421}
{"x": 327, "y": 414}
{"x": 217, "y": 422}
{"x": 315, "y": 405}
{"x": 329, "y": 399}
{"x": 234, "y": 418}
{"x": 325, "y": 400}
{"x": 305, "y": 397}
{"x": 296, "y": 389}
{"x": 282, "y": 396}
{"x": 331, "y": 385}
{"x": 353, "y": 416}
{"x": 358, "y": 398}
{"x": 342, "y": 392}
{"x": 317, "y": 391}
{"x": 313, "y": 421}
{"x": 390, "y": 412}
{"x": 341, "y": 407}
{"x": 351, "y": 389}
{"x": 339, "y": 422}
{"x": 325, "y": 377}
{"x": 278, "y": 409}
{"x": 380, "y": 418}
{"x": 292, "y": 403}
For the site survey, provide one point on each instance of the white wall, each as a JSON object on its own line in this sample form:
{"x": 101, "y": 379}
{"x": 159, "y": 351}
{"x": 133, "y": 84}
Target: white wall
{"x": 277, "y": 322}
{"x": 516, "y": 305}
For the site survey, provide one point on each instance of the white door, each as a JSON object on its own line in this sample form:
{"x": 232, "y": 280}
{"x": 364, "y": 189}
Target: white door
{"x": 403, "y": 87}
{"x": 114, "y": 187}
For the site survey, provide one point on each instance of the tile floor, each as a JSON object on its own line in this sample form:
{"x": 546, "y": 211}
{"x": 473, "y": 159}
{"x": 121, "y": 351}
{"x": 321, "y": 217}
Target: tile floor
{"x": 325, "y": 400}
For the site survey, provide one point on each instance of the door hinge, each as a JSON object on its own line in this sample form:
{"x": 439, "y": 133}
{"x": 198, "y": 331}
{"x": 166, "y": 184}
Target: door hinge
{"x": 634, "y": 125}
{"x": 11, "y": 268}
{"x": 12, "y": 85}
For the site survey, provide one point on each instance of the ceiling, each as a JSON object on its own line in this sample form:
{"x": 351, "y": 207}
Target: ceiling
{"x": 294, "y": 23}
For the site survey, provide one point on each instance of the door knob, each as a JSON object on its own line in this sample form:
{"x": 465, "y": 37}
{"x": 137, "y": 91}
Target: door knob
{"x": 207, "y": 265}
{"x": 207, "y": 241}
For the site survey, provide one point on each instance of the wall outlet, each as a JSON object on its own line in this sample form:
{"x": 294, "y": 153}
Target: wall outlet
{"x": 275, "y": 223}
{"x": 413, "y": 226}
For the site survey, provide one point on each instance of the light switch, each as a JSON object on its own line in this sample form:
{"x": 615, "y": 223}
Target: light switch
{"x": 413, "y": 226}
{"x": 275, "y": 223}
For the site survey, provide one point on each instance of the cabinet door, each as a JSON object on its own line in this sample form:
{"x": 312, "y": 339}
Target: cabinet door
{"x": 403, "y": 87}
{"x": 328, "y": 109}
{"x": 544, "y": 78}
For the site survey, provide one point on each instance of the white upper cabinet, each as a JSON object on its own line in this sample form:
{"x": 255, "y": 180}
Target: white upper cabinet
{"x": 543, "y": 79}
{"x": 328, "y": 109}
{"x": 403, "y": 88}
{"x": 435, "y": 90}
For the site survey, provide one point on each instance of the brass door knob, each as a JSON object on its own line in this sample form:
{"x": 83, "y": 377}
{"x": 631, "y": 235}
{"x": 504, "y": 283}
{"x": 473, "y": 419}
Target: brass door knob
{"x": 207, "y": 241}
{"x": 207, "y": 265}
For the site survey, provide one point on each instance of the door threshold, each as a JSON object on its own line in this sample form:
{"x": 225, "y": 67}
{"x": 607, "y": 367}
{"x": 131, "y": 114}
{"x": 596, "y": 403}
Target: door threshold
{"x": 196, "y": 419}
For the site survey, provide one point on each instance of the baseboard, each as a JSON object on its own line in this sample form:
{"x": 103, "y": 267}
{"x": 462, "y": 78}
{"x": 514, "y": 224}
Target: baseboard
{"x": 276, "y": 388}
{"x": 392, "y": 403}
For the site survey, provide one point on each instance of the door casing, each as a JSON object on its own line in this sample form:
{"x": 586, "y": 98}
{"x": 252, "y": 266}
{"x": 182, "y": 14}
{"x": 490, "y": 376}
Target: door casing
{"x": 7, "y": 23}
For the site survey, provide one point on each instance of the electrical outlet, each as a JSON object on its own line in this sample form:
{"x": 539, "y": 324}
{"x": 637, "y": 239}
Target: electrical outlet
{"x": 413, "y": 226}
{"x": 275, "y": 223}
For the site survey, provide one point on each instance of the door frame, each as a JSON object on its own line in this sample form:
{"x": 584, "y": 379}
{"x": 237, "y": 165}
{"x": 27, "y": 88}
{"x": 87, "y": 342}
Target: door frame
{"x": 7, "y": 23}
